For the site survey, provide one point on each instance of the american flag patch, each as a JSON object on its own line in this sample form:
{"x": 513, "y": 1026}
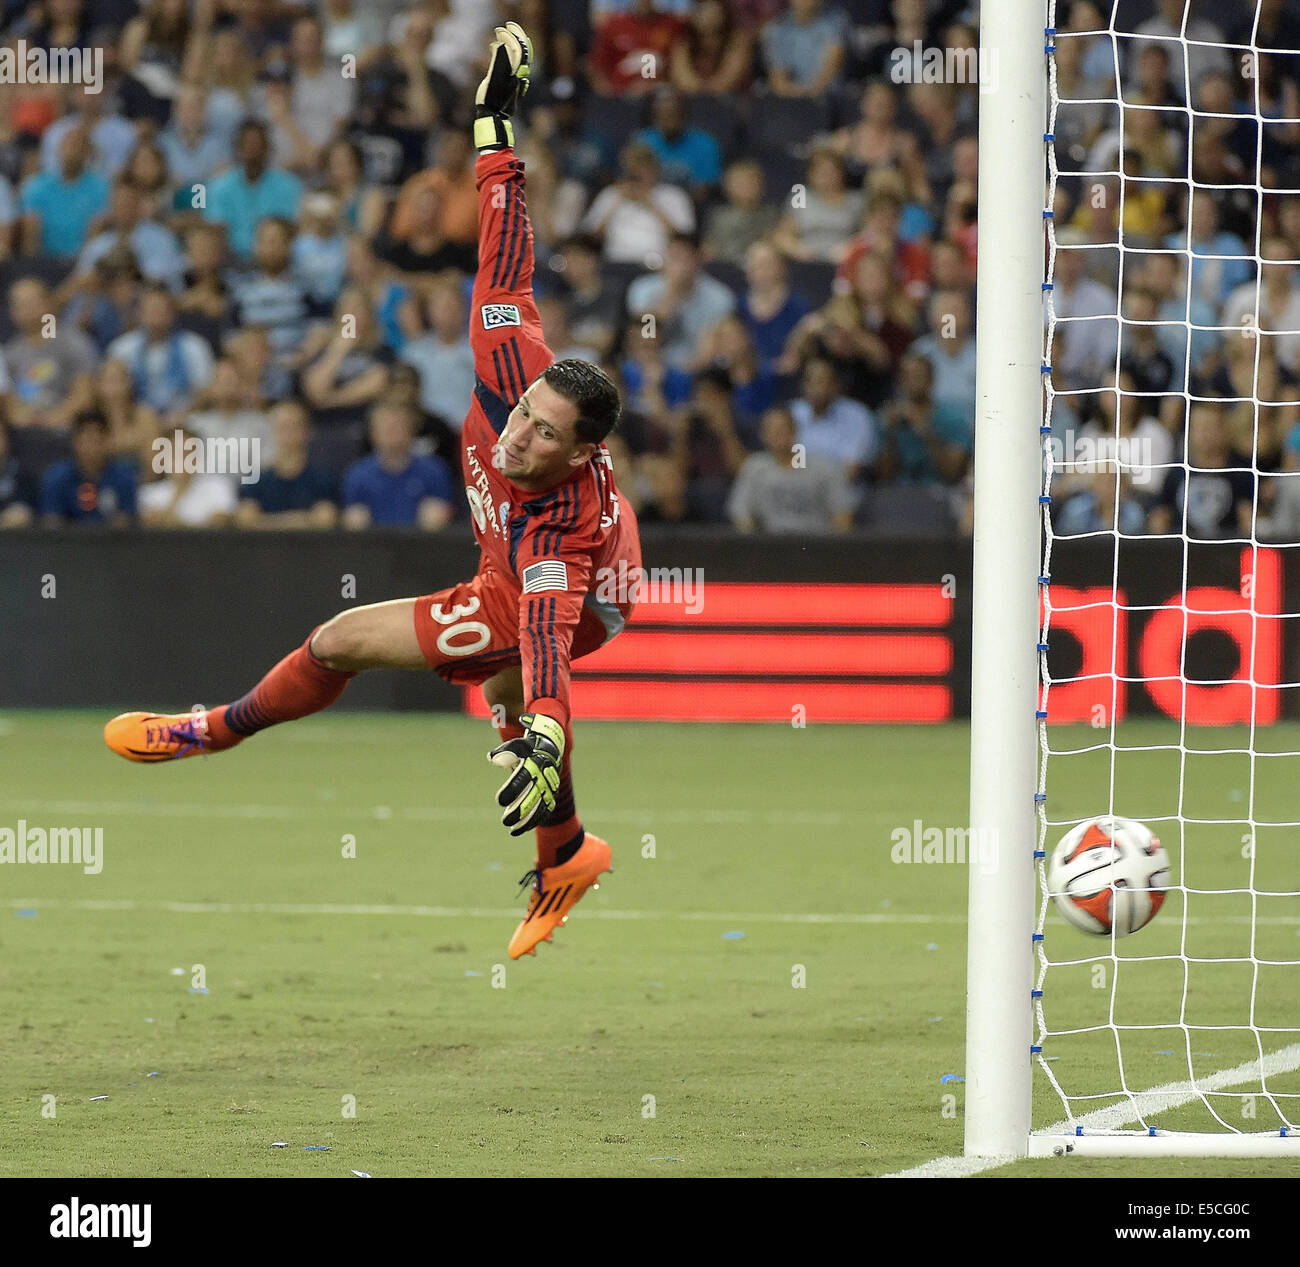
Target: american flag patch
{"x": 547, "y": 575}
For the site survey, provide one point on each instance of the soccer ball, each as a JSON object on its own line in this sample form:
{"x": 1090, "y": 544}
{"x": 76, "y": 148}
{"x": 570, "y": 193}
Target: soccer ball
{"x": 1109, "y": 875}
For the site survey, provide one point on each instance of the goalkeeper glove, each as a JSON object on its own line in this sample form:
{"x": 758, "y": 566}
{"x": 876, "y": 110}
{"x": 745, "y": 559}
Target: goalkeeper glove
{"x": 510, "y": 63}
{"x": 533, "y": 760}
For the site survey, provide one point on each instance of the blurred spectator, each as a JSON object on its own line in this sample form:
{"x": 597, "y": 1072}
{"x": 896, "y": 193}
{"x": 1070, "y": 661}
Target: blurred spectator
{"x": 319, "y": 254}
{"x": 460, "y": 33}
{"x": 394, "y": 487}
{"x": 595, "y": 301}
{"x": 1203, "y": 52}
{"x": 102, "y": 303}
{"x": 292, "y": 493}
{"x": 229, "y": 76}
{"x": 59, "y": 206}
{"x": 1087, "y": 338}
{"x": 1164, "y": 274}
{"x": 776, "y": 492}
{"x": 635, "y": 216}
{"x": 705, "y": 446}
{"x": 132, "y": 425}
{"x": 348, "y": 371}
{"x": 882, "y": 233}
{"x": 91, "y": 486}
{"x": 204, "y": 292}
{"x": 8, "y": 217}
{"x": 1141, "y": 355}
{"x": 433, "y": 433}
{"x": 745, "y": 218}
{"x": 685, "y": 302}
{"x": 194, "y": 148}
{"x": 350, "y": 26}
{"x": 687, "y": 156}
{"x": 1092, "y": 507}
{"x": 753, "y": 386}
{"x": 50, "y": 366}
{"x": 1124, "y": 429}
{"x": 146, "y": 169}
{"x": 950, "y": 349}
{"x": 111, "y": 137}
{"x": 362, "y": 205}
{"x": 768, "y": 307}
{"x": 629, "y": 55}
{"x": 1277, "y": 317}
{"x": 875, "y": 140}
{"x": 435, "y": 221}
{"x": 1223, "y": 261}
{"x": 864, "y": 333}
{"x": 170, "y": 366}
{"x": 555, "y": 203}
{"x": 559, "y": 337}
{"x": 391, "y": 299}
{"x": 271, "y": 298}
{"x": 652, "y": 387}
{"x": 321, "y": 98}
{"x": 183, "y": 497}
{"x": 926, "y": 441}
{"x": 829, "y": 425}
{"x": 153, "y": 55}
{"x": 582, "y": 152}
{"x": 223, "y": 413}
{"x": 712, "y": 55}
{"x": 804, "y": 49}
{"x": 822, "y": 215}
{"x": 247, "y": 193}
{"x": 1214, "y": 501}
{"x": 156, "y": 250}
{"x": 17, "y": 491}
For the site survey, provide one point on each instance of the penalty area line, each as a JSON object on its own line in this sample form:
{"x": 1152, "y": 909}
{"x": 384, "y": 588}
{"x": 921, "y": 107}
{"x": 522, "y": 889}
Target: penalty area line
{"x": 1171, "y": 1095}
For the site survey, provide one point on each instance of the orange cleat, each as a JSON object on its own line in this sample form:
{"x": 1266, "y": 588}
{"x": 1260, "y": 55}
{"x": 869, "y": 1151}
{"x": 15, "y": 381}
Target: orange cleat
{"x": 157, "y": 736}
{"x": 556, "y": 891}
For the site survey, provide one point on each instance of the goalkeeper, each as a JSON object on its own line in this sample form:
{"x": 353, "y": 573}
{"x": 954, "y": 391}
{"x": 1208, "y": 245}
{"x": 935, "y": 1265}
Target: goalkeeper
{"x": 548, "y": 521}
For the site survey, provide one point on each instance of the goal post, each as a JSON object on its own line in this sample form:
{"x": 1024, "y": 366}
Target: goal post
{"x": 1030, "y": 776}
{"x": 1004, "y": 668}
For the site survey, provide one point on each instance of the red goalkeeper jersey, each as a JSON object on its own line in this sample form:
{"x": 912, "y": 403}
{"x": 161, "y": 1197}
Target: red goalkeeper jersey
{"x": 560, "y": 549}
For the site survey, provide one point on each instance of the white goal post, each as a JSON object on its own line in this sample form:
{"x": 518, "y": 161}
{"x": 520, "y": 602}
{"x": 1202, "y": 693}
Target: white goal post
{"x": 1009, "y": 746}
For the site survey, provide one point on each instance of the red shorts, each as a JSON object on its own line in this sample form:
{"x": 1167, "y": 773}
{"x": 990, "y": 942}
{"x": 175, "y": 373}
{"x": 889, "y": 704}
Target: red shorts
{"x": 470, "y": 632}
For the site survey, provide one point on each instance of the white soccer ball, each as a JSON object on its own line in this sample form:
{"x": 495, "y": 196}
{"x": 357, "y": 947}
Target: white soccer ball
{"x": 1109, "y": 875}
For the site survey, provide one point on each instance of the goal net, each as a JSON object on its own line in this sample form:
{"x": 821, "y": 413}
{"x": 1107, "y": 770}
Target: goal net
{"x": 1170, "y": 510}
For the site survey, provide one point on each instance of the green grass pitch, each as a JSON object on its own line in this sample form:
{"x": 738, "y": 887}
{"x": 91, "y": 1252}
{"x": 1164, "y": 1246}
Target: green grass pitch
{"x": 367, "y": 1005}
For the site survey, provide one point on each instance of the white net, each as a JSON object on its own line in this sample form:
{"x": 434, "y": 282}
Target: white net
{"x": 1171, "y": 514}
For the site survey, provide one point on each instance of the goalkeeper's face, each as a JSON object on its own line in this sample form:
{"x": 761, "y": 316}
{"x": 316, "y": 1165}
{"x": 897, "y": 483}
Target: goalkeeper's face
{"x": 539, "y": 447}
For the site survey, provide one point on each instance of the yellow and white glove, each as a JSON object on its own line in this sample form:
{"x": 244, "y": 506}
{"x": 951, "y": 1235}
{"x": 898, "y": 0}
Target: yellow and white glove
{"x": 510, "y": 64}
{"x": 528, "y": 795}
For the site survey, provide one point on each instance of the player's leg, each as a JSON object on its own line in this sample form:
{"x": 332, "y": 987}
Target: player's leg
{"x": 308, "y": 679}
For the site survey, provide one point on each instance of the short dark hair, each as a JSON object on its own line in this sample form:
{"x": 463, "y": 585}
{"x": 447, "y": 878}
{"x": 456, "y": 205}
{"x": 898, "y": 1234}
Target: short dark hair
{"x": 589, "y": 389}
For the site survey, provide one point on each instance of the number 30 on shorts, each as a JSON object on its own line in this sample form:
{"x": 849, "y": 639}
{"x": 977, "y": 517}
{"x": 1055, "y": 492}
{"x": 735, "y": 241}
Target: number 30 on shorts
{"x": 474, "y": 629}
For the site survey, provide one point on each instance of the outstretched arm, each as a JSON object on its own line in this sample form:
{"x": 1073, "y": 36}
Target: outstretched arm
{"x": 505, "y": 328}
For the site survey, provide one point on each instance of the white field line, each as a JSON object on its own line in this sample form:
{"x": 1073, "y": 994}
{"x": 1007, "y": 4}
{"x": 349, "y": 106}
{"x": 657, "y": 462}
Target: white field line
{"x": 1171, "y": 1095}
{"x": 417, "y": 814}
{"x": 738, "y": 918}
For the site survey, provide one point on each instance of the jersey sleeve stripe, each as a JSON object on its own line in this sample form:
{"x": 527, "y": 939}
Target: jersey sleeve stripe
{"x": 555, "y": 658}
{"x": 515, "y": 391}
{"x": 519, "y": 362}
{"x": 513, "y": 279}
{"x": 501, "y": 241}
{"x": 518, "y": 235}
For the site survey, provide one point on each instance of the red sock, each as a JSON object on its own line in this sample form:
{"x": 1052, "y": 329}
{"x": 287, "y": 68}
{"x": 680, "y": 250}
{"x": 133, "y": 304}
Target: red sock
{"x": 560, "y": 831}
{"x": 556, "y": 835}
{"x": 297, "y": 687}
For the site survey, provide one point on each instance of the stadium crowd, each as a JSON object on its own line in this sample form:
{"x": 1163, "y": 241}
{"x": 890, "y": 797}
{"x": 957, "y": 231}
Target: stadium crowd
{"x": 758, "y": 216}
